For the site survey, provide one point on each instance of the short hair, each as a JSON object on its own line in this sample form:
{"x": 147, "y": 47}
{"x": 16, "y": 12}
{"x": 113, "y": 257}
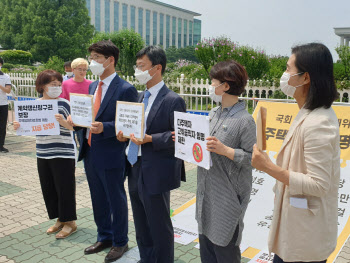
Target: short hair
{"x": 106, "y": 48}
{"x": 78, "y": 62}
{"x": 1, "y": 61}
{"x": 67, "y": 64}
{"x": 45, "y": 77}
{"x": 231, "y": 72}
{"x": 317, "y": 61}
{"x": 155, "y": 54}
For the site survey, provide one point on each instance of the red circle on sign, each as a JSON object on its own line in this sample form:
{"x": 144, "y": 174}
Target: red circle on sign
{"x": 197, "y": 152}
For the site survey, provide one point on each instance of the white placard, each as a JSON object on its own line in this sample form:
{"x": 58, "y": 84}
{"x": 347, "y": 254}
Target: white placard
{"x": 82, "y": 109}
{"x": 190, "y": 133}
{"x": 129, "y": 118}
{"x": 37, "y": 117}
{"x": 262, "y": 257}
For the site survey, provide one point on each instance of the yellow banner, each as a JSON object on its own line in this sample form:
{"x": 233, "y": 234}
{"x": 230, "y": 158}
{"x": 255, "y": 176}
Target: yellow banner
{"x": 281, "y": 115}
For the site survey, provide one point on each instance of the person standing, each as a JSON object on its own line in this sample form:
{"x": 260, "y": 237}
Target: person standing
{"x": 154, "y": 170}
{"x": 104, "y": 155}
{"x": 223, "y": 191}
{"x": 307, "y": 170}
{"x": 78, "y": 83}
{"x": 56, "y": 160}
{"x": 68, "y": 70}
{"x": 5, "y": 87}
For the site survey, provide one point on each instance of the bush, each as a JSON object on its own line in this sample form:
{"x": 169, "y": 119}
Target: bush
{"x": 174, "y": 54}
{"x": 8, "y": 66}
{"x": 339, "y": 72}
{"x": 17, "y": 57}
{"x": 211, "y": 51}
{"x": 54, "y": 63}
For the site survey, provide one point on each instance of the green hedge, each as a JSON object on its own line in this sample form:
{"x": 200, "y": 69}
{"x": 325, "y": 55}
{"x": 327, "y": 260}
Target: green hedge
{"x": 16, "y": 57}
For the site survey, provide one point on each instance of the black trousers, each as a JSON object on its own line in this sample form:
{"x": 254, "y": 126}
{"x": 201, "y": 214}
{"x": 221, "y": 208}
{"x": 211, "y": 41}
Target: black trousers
{"x": 154, "y": 230}
{"x": 3, "y": 122}
{"x": 57, "y": 180}
{"x": 211, "y": 253}
{"x": 277, "y": 259}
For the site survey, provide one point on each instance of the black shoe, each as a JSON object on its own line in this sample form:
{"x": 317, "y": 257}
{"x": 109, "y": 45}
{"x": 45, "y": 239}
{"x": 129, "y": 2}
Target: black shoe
{"x": 4, "y": 150}
{"x": 97, "y": 247}
{"x": 116, "y": 253}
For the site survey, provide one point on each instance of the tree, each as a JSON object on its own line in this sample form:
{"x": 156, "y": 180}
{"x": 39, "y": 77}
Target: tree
{"x": 46, "y": 27}
{"x": 129, "y": 43}
{"x": 344, "y": 55}
{"x": 174, "y": 54}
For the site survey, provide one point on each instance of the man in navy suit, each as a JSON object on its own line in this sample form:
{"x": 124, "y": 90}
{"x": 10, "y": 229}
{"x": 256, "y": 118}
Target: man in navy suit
{"x": 154, "y": 170}
{"x": 104, "y": 155}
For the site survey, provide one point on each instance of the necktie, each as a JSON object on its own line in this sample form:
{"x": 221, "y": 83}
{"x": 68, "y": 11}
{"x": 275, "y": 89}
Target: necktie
{"x": 134, "y": 148}
{"x": 97, "y": 104}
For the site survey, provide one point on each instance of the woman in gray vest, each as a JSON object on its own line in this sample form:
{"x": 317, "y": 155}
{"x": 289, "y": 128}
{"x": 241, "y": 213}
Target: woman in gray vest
{"x": 223, "y": 191}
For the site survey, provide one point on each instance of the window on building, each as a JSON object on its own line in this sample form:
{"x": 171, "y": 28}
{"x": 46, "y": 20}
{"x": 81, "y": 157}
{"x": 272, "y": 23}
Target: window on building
{"x": 161, "y": 29}
{"x": 88, "y": 6}
{"x": 197, "y": 31}
{"x": 173, "y": 42}
{"x": 97, "y": 15}
{"x": 148, "y": 27}
{"x": 179, "y": 32}
{"x": 167, "y": 41}
{"x": 116, "y": 16}
{"x": 140, "y": 25}
{"x": 185, "y": 33}
{"x": 190, "y": 37}
{"x": 133, "y": 17}
{"x": 107, "y": 16}
{"x": 125, "y": 16}
{"x": 155, "y": 24}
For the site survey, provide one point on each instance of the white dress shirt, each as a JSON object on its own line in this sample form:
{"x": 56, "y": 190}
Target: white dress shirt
{"x": 106, "y": 82}
{"x": 154, "y": 92}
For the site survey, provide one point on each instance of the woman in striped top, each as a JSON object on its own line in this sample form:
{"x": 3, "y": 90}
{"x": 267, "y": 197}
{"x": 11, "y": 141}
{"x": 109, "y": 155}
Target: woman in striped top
{"x": 56, "y": 160}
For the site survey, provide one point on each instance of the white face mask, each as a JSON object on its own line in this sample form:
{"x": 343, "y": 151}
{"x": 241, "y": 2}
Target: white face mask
{"x": 54, "y": 92}
{"x": 213, "y": 96}
{"x": 143, "y": 76}
{"x": 97, "y": 68}
{"x": 285, "y": 87}
{"x": 69, "y": 74}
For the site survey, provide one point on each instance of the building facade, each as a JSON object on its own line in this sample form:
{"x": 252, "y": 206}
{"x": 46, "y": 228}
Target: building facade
{"x": 344, "y": 34}
{"x": 158, "y": 23}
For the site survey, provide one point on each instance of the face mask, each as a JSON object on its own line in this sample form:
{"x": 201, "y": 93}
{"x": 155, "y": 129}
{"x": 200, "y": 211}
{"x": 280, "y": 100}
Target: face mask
{"x": 54, "y": 92}
{"x": 69, "y": 74}
{"x": 143, "y": 76}
{"x": 97, "y": 68}
{"x": 213, "y": 96}
{"x": 285, "y": 87}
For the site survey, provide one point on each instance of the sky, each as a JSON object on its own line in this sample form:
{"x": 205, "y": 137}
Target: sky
{"x": 272, "y": 25}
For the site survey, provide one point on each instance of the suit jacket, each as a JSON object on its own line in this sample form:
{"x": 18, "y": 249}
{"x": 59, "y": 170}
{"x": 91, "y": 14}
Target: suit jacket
{"x": 161, "y": 170}
{"x": 311, "y": 154}
{"x": 106, "y": 150}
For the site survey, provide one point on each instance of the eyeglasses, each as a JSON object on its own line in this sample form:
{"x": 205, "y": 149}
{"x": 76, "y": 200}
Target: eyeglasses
{"x": 95, "y": 57}
{"x": 81, "y": 70}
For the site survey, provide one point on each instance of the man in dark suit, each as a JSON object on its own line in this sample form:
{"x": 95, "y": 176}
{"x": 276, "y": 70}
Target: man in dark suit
{"x": 104, "y": 155}
{"x": 154, "y": 170}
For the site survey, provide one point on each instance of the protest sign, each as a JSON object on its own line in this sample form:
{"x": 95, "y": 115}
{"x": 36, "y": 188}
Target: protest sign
{"x": 190, "y": 133}
{"x": 82, "y": 109}
{"x": 129, "y": 118}
{"x": 37, "y": 117}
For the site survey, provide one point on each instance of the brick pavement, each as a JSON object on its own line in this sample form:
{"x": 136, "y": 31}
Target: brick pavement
{"x": 24, "y": 221}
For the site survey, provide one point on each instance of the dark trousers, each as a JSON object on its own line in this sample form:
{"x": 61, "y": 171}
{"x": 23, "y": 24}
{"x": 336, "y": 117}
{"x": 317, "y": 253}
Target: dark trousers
{"x": 277, "y": 259}
{"x": 211, "y": 253}
{"x": 109, "y": 202}
{"x": 154, "y": 230}
{"x": 57, "y": 180}
{"x": 3, "y": 122}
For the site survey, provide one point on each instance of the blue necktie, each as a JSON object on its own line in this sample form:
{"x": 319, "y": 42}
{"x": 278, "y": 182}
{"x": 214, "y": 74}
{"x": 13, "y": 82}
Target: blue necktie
{"x": 134, "y": 148}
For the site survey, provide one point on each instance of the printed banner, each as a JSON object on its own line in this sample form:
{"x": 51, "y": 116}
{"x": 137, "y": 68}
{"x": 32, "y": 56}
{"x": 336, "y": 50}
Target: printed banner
{"x": 37, "y": 117}
{"x": 82, "y": 109}
{"x": 190, "y": 133}
{"x": 129, "y": 118}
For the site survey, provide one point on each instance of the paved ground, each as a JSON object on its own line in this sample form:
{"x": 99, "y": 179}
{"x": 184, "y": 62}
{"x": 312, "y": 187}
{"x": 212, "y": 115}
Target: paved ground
{"x": 23, "y": 217}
